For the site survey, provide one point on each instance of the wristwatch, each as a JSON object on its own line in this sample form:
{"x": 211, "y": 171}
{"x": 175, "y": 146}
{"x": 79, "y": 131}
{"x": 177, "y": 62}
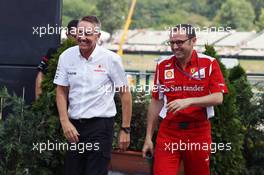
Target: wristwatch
{"x": 126, "y": 129}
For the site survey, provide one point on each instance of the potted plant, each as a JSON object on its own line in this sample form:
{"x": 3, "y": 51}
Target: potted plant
{"x": 131, "y": 161}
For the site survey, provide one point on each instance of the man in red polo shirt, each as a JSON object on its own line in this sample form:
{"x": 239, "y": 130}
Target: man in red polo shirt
{"x": 191, "y": 84}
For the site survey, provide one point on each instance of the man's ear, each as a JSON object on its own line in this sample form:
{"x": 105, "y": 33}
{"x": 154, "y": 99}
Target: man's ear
{"x": 99, "y": 34}
{"x": 194, "y": 40}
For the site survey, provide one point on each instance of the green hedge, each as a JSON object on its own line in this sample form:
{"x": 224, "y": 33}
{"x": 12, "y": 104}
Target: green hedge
{"x": 227, "y": 128}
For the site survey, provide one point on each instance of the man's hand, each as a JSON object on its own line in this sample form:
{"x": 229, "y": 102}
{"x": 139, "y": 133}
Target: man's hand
{"x": 126, "y": 101}
{"x": 124, "y": 140}
{"x": 70, "y": 131}
{"x": 148, "y": 147}
{"x": 179, "y": 104}
{"x": 38, "y": 82}
{"x": 154, "y": 109}
{"x": 204, "y": 101}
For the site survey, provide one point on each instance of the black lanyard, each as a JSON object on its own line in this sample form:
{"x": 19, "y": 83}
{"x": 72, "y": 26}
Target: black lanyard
{"x": 187, "y": 74}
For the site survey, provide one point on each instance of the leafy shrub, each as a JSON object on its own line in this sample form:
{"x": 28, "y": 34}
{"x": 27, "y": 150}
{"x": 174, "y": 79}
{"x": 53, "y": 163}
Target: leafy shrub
{"x": 250, "y": 109}
{"x": 227, "y": 128}
{"x": 25, "y": 126}
{"x": 138, "y": 122}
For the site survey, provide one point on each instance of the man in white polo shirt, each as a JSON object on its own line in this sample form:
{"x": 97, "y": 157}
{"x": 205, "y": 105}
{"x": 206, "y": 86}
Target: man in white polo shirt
{"x": 87, "y": 76}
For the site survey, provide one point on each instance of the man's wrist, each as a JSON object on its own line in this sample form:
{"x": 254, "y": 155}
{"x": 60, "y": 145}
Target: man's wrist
{"x": 125, "y": 125}
{"x": 63, "y": 120}
{"x": 127, "y": 130}
{"x": 191, "y": 101}
{"x": 148, "y": 137}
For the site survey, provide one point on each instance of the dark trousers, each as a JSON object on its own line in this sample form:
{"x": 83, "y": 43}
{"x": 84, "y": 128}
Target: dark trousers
{"x": 95, "y": 133}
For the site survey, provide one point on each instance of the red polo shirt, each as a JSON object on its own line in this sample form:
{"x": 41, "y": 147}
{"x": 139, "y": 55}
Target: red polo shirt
{"x": 171, "y": 82}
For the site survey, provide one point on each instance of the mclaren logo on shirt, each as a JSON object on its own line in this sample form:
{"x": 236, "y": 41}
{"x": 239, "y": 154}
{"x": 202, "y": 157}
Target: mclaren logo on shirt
{"x": 99, "y": 68}
{"x": 169, "y": 74}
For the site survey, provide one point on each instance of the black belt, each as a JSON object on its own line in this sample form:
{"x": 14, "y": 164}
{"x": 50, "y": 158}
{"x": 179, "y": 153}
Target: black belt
{"x": 85, "y": 120}
{"x": 185, "y": 125}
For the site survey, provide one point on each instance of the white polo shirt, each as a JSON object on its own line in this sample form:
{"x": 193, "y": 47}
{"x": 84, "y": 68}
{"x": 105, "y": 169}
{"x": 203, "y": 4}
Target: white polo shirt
{"x": 91, "y": 82}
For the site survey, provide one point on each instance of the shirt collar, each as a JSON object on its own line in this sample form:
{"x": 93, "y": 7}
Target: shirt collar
{"x": 93, "y": 54}
{"x": 95, "y": 51}
{"x": 192, "y": 62}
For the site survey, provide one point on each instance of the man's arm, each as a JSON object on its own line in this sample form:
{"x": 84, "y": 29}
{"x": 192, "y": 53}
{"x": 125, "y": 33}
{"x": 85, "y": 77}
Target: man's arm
{"x": 69, "y": 130}
{"x": 154, "y": 109}
{"x": 208, "y": 100}
{"x": 38, "y": 81}
{"x": 126, "y": 101}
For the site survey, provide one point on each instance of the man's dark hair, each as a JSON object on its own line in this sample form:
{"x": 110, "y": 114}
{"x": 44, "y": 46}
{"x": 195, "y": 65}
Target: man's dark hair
{"x": 188, "y": 28}
{"x": 72, "y": 24}
{"x": 92, "y": 19}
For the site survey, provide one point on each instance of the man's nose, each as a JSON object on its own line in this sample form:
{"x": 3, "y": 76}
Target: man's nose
{"x": 174, "y": 46}
{"x": 81, "y": 36}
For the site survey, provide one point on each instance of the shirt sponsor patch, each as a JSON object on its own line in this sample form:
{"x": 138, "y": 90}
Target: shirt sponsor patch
{"x": 200, "y": 74}
{"x": 72, "y": 73}
{"x": 99, "y": 68}
{"x": 169, "y": 74}
{"x": 168, "y": 65}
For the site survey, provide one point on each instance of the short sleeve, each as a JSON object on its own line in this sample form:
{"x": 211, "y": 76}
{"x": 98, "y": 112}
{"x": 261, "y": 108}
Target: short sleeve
{"x": 156, "y": 89}
{"x": 117, "y": 72}
{"x": 216, "y": 82}
{"x": 43, "y": 65}
{"x": 61, "y": 77}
